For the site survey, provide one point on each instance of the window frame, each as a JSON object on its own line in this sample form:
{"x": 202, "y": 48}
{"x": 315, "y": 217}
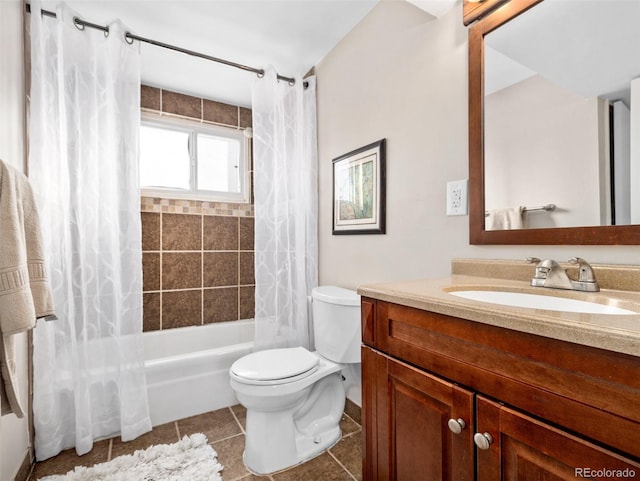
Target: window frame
{"x": 195, "y": 128}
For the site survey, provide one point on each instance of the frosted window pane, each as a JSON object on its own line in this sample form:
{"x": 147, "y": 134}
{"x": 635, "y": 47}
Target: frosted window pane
{"x": 164, "y": 158}
{"x": 218, "y": 164}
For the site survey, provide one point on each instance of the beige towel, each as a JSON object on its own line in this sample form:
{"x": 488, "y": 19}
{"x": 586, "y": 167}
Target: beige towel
{"x": 503, "y": 219}
{"x": 24, "y": 290}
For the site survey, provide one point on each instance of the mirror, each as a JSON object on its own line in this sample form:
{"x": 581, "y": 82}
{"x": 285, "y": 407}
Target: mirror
{"x": 550, "y": 117}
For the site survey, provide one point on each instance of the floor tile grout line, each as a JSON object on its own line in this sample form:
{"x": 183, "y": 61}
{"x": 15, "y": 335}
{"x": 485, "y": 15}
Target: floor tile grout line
{"x": 237, "y": 420}
{"x": 355, "y": 422}
{"x": 341, "y": 465}
{"x": 226, "y": 439}
{"x": 348, "y": 435}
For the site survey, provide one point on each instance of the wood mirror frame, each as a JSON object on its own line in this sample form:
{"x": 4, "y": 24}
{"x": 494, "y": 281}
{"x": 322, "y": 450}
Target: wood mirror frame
{"x": 473, "y": 10}
{"x": 592, "y": 235}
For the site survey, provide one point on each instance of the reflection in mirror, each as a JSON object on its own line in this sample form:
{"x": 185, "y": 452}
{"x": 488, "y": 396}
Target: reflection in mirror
{"x": 562, "y": 99}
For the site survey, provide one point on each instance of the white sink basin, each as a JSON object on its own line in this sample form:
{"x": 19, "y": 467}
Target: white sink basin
{"x": 537, "y": 301}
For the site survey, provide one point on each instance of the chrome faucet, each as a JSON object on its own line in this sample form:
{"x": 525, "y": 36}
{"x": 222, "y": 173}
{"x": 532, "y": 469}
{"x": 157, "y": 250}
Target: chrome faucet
{"x": 549, "y": 273}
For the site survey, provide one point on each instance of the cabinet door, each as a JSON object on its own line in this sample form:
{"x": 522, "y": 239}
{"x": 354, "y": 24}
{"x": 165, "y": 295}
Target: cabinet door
{"x": 412, "y": 412}
{"x": 526, "y": 449}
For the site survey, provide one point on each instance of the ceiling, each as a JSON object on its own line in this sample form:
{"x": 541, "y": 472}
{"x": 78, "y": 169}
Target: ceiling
{"x": 290, "y": 35}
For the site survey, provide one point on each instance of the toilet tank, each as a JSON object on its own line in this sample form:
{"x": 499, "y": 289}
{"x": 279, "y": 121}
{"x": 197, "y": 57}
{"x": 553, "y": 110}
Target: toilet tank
{"x": 336, "y": 323}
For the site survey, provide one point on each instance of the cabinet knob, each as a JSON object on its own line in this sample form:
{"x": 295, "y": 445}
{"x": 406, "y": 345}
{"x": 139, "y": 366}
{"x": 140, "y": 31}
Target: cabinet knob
{"x": 483, "y": 440}
{"x": 456, "y": 425}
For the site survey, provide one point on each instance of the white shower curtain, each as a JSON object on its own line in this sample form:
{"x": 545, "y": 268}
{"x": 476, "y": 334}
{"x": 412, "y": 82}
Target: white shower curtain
{"x": 89, "y": 379}
{"x": 286, "y": 210}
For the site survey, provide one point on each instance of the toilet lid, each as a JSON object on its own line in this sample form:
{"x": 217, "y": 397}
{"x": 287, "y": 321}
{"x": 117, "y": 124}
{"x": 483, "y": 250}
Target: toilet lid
{"x": 274, "y": 364}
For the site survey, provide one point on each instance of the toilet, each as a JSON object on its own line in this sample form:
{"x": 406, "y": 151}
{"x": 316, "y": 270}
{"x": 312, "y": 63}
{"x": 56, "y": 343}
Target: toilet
{"x": 294, "y": 397}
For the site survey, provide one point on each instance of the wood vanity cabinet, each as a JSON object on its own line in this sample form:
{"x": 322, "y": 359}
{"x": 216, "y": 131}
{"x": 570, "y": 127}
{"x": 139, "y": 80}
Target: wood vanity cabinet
{"x": 407, "y": 423}
{"x": 549, "y": 407}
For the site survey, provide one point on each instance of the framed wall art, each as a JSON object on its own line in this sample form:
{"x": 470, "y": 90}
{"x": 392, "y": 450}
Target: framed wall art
{"x": 359, "y": 191}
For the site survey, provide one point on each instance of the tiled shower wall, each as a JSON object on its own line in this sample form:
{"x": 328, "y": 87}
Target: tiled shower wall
{"x": 197, "y": 256}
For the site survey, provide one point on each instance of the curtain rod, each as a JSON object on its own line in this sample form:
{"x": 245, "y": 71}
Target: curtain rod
{"x": 130, "y": 37}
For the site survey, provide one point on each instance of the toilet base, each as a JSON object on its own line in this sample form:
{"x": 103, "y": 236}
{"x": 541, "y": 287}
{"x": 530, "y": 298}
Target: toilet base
{"x": 311, "y": 451}
{"x": 279, "y": 440}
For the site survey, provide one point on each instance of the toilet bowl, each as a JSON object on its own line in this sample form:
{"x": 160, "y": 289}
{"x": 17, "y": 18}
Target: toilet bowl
{"x": 292, "y": 419}
{"x": 294, "y": 397}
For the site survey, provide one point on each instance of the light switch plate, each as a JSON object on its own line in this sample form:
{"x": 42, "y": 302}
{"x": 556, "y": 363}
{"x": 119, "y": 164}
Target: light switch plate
{"x": 457, "y": 197}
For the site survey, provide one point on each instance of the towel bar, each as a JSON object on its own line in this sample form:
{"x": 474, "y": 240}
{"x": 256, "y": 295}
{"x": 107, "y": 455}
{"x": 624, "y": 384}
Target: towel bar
{"x": 548, "y": 208}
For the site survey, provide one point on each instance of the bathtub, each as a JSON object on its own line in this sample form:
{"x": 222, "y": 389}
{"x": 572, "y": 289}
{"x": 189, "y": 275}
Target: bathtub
{"x": 187, "y": 368}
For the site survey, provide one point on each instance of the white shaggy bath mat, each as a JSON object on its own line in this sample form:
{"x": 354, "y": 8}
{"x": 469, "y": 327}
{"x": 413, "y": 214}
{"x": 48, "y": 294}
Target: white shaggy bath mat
{"x": 190, "y": 459}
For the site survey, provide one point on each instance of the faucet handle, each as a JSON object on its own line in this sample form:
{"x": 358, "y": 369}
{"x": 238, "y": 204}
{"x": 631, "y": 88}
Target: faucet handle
{"x": 585, "y": 271}
{"x": 540, "y": 274}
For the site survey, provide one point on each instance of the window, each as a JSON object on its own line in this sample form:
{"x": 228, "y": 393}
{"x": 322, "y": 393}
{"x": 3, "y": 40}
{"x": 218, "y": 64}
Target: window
{"x": 181, "y": 159}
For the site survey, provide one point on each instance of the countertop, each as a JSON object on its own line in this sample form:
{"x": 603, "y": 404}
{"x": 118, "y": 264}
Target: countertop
{"x": 619, "y": 333}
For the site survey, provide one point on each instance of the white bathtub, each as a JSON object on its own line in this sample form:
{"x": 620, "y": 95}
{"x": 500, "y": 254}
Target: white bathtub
{"x": 188, "y": 368}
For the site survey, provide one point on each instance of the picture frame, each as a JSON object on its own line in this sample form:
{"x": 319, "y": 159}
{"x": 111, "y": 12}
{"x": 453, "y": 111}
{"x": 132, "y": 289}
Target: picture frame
{"x": 359, "y": 190}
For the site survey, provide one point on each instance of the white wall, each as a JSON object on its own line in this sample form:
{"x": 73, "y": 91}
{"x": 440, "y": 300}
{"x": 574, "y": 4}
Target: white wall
{"x": 622, "y": 164}
{"x": 635, "y": 151}
{"x": 14, "y": 438}
{"x": 11, "y": 84}
{"x": 522, "y": 171}
{"x": 402, "y": 75}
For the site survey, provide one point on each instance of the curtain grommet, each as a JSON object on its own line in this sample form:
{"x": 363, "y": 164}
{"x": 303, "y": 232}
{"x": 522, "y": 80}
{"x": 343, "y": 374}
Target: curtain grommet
{"x": 78, "y": 23}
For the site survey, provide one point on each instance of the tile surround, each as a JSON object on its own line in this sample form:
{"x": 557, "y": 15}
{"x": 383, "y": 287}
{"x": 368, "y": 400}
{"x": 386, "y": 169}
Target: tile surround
{"x": 199, "y": 271}
{"x": 166, "y": 102}
{"x": 181, "y": 270}
{"x": 150, "y": 232}
{"x": 150, "y": 98}
{"x": 179, "y": 206}
{"x": 246, "y": 233}
{"x": 247, "y": 268}
{"x": 247, "y": 302}
{"x": 180, "y": 104}
{"x": 151, "y": 271}
{"x": 197, "y": 255}
{"x": 181, "y": 232}
{"x": 180, "y": 308}
{"x": 220, "y": 269}
{"x": 221, "y": 305}
{"x": 225, "y": 430}
{"x": 221, "y": 233}
{"x": 151, "y": 310}
{"x": 220, "y": 113}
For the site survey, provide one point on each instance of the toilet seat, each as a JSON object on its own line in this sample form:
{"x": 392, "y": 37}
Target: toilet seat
{"x": 275, "y": 366}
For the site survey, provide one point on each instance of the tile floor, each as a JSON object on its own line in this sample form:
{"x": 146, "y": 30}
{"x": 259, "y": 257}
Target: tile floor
{"x": 225, "y": 431}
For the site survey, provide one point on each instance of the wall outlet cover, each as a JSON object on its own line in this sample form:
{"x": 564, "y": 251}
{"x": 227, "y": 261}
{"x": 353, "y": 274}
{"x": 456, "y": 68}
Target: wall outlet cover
{"x": 457, "y": 203}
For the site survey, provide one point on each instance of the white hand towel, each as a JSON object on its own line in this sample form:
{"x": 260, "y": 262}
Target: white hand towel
{"x": 24, "y": 289}
{"x": 504, "y": 219}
